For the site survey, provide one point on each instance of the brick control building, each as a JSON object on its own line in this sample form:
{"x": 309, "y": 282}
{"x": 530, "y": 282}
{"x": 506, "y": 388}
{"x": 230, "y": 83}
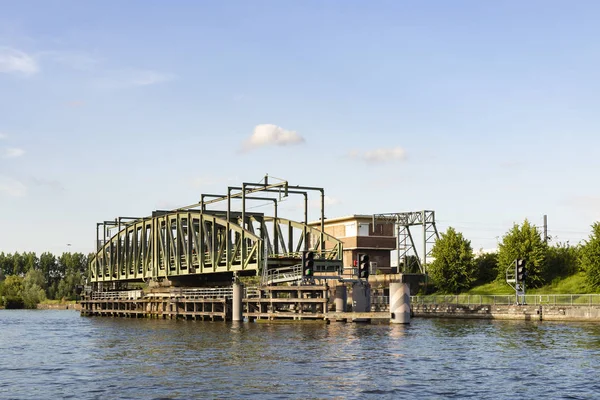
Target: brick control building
{"x": 359, "y": 236}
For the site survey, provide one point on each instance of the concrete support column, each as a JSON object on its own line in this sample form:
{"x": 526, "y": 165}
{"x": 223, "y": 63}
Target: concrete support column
{"x": 399, "y": 303}
{"x": 341, "y": 297}
{"x": 238, "y": 294}
{"x": 361, "y": 296}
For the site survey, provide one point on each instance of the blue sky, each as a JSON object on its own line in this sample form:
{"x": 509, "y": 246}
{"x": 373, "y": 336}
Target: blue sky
{"x": 485, "y": 112}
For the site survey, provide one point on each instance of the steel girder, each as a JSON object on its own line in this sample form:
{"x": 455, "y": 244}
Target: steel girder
{"x": 176, "y": 244}
{"x": 191, "y": 242}
{"x": 406, "y": 244}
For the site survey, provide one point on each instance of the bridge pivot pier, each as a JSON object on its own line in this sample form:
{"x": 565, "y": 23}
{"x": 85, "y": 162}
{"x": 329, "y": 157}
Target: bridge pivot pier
{"x": 301, "y": 302}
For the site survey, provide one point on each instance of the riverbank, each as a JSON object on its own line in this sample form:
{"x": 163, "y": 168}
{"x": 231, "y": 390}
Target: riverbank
{"x": 508, "y": 312}
{"x": 59, "y": 306}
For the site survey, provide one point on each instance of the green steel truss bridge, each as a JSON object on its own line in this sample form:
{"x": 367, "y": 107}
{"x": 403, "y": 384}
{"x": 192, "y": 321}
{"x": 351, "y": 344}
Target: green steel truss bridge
{"x": 197, "y": 243}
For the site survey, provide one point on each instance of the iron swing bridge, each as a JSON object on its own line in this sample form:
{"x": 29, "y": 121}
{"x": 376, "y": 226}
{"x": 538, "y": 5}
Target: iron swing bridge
{"x": 199, "y": 245}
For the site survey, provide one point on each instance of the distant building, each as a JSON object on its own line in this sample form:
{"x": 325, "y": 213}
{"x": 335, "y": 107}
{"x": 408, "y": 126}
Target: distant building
{"x": 359, "y": 236}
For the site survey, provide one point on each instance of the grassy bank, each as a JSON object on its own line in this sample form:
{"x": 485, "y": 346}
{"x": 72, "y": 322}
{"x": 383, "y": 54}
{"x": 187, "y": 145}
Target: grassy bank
{"x": 574, "y": 284}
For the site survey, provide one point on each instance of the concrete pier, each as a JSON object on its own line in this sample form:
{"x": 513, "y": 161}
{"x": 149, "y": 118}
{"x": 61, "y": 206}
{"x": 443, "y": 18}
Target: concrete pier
{"x": 399, "y": 303}
{"x": 341, "y": 298}
{"x": 237, "y": 306}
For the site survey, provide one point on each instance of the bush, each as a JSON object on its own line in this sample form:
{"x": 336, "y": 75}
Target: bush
{"x": 453, "y": 268}
{"x": 486, "y": 268}
{"x": 590, "y": 257}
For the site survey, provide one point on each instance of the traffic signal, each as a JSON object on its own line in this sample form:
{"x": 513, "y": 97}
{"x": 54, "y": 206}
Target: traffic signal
{"x": 363, "y": 266}
{"x": 521, "y": 270}
{"x": 308, "y": 264}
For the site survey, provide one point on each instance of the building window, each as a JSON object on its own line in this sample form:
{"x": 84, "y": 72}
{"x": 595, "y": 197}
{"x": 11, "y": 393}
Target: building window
{"x": 363, "y": 229}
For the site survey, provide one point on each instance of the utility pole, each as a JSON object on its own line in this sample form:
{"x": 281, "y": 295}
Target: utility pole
{"x": 545, "y": 229}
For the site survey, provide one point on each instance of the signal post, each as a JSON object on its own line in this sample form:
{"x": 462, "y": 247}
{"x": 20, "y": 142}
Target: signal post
{"x": 516, "y": 275}
{"x": 361, "y": 290}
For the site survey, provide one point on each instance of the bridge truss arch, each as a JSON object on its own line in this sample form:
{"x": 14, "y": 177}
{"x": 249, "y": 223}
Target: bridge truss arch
{"x": 192, "y": 242}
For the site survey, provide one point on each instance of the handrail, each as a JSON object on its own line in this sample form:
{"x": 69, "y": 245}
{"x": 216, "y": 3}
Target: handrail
{"x": 123, "y": 295}
{"x": 204, "y": 293}
{"x": 286, "y": 274}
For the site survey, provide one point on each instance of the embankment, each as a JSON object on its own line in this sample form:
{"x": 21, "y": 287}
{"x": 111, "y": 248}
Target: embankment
{"x": 514, "y": 312}
{"x": 68, "y": 306}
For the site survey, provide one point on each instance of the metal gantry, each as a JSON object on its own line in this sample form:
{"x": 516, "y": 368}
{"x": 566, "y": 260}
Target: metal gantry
{"x": 405, "y": 247}
{"x": 193, "y": 240}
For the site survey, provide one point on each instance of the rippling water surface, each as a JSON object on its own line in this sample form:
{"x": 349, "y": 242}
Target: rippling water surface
{"x": 58, "y": 354}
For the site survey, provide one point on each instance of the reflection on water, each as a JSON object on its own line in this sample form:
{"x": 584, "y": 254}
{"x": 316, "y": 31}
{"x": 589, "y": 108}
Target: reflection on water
{"x": 57, "y": 354}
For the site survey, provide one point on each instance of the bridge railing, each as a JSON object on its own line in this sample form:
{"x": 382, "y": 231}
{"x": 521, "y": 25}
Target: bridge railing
{"x": 120, "y": 295}
{"x": 286, "y": 274}
{"x": 530, "y": 299}
{"x": 251, "y": 292}
{"x": 204, "y": 293}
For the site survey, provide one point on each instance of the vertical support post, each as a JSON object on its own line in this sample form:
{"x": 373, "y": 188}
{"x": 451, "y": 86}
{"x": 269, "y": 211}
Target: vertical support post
{"x": 424, "y": 243}
{"x": 238, "y": 293}
{"x": 228, "y": 233}
{"x": 275, "y": 232}
{"x": 305, "y": 237}
{"x": 243, "y": 224}
{"x": 399, "y": 303}
{"x": 341, "y": 298}
{"x": 118, "y": 256}
{"x": 545, "y": 228}
{"x": 322, "y": 239}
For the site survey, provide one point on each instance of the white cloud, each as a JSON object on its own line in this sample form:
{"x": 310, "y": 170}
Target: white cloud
{"x": 381, "y": 155}
{"x": 269, "y": 134}
{"x": 13, "y": 152}
{"x": 16, "y": 61}
{"x": 12, "y": 187}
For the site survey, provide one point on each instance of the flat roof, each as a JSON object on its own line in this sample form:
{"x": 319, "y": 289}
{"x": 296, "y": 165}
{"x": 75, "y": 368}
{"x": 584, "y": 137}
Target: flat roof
{"x": 345, "y": 218}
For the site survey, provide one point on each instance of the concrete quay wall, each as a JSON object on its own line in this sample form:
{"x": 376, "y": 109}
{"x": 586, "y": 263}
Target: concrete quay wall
{"x": 508, "y": 312}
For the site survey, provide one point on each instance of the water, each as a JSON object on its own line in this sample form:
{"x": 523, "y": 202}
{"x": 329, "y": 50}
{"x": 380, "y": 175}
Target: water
{"x": 58, "y": 354}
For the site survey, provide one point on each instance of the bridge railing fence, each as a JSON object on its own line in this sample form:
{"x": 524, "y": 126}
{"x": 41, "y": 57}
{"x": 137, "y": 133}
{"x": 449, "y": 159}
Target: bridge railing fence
{"x": 530, "y": 299}
{"x": 204, "y": 293}
{"x": 117, "y": 295}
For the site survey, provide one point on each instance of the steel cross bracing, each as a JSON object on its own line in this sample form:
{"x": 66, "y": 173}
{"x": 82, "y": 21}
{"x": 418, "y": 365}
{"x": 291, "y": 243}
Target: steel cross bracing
{"x": 193, "y": 240}
{"x": 405, "y": 246}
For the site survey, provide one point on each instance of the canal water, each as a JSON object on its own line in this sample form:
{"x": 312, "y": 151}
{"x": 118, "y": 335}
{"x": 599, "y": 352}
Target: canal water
{"x": 58, "y": 354}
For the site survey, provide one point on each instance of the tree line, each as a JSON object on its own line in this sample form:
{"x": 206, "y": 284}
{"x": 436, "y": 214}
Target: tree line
{"x": 456, "y": 269}
{"x": 26, "y": 280}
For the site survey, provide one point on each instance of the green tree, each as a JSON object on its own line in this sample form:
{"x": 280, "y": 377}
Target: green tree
{"x": 453, "y": 267}
{"x": 12, "y": 292}
{"x": 6, "y": 264}
{"x": 33, "y": 293}
{"x": 562, "y": 260}
{"x": 75, "y": 268}
{"x": 31, "y": 261}
{"x": 486, "y": 268}
{"x": 47, "y": 265}
{"x": 412, "y": 265}
{"x": 524, "y": 242}
{"x": 590, "y": 257}
{"x": 18, "y": 264}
